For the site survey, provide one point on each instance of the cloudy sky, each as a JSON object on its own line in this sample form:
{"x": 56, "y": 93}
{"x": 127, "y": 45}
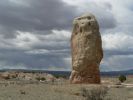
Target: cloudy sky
{"x": 35, "y": 34}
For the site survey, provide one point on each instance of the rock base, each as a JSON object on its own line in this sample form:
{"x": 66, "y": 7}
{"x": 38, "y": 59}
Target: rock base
{"x": 88, "y": 76}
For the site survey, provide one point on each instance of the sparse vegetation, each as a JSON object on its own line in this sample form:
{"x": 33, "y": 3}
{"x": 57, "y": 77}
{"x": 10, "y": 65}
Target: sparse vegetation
{"x": 61, "y": 76}
{"x": 122, "y": 78}
{"x": 62, "y": 90}
{"x": 22, "y": 92}
{"x": 95, "y": 93}
{"x": 6, "y": 78}
{"x": 40, "y": 78}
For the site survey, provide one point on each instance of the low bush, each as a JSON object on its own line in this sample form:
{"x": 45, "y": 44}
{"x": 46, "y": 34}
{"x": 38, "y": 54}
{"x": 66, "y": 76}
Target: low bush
{"x": 40, "y": 78}
{"x": 98, "y": 93}
{"x": 122, "y": 78}
{"x": 61, "y": 76}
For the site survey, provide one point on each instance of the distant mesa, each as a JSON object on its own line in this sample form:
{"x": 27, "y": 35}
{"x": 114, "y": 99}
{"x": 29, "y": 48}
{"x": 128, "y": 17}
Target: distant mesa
{"x": 87, "y": 50}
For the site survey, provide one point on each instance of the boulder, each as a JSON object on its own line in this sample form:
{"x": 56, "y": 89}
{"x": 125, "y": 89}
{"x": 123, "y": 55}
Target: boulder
{"x": 5, "y": 75}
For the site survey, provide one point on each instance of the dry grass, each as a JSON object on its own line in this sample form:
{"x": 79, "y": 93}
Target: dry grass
{"x": 96, "y": 93}
{"x": 61, "y": 91}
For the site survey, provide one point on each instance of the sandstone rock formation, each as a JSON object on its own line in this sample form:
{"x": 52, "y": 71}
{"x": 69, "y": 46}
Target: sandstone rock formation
{"x": 26, "y": 76}
{"x": 87, "y": 50}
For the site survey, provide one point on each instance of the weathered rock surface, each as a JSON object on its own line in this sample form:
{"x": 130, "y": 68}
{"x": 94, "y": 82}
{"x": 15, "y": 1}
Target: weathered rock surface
{"x": 87, "y": 50}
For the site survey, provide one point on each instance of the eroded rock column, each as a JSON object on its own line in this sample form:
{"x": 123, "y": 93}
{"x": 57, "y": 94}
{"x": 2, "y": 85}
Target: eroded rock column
{"x": 87, "y": 53}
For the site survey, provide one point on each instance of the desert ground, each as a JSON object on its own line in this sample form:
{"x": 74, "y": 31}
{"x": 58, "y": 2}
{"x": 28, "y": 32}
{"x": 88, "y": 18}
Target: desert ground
{"x": 61, "y": 89}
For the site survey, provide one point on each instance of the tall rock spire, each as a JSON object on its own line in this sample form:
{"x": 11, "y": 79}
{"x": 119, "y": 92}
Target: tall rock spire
{"x": 87, "y": 53}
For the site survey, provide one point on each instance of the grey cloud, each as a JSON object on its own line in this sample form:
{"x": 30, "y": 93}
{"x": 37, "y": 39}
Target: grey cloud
{"x": 55, "y": 45}
{"x": 35, "y": 57}
{"x": 103, "y": 13}
{"x": 118, "y": 52}
{"x": 53, "y": 52}
{"x": 39, "y": 18}
{"x": 40, "y": 15}
{"x": 117, "y": 62}
{"x": 17, "y": 58}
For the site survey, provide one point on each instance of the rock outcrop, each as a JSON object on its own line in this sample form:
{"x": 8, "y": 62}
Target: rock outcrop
{"x": 87, "y": 50}
{"x": 27, "y": 76}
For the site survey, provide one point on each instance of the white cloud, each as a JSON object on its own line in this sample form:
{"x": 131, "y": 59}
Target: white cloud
{"x": 25, "y": 40}
{"x": 20, "y": 2}
{"x": 60, "y": 52}
{"x": 61, "y": 35}
{"x": 117, "y": 41}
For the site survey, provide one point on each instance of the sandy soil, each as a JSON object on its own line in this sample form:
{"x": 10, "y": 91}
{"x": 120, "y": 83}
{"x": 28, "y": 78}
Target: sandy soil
{"x": 61, "y": 90}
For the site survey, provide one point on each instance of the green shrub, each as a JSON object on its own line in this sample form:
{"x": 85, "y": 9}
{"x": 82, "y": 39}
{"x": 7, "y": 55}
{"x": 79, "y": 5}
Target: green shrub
{"x": 40, "y": 78}
{"x": 43, "y": 78}
{"x": 122, "y": 78}
{"x": 61, "y": 76}
{"x": 6, "y": 78}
